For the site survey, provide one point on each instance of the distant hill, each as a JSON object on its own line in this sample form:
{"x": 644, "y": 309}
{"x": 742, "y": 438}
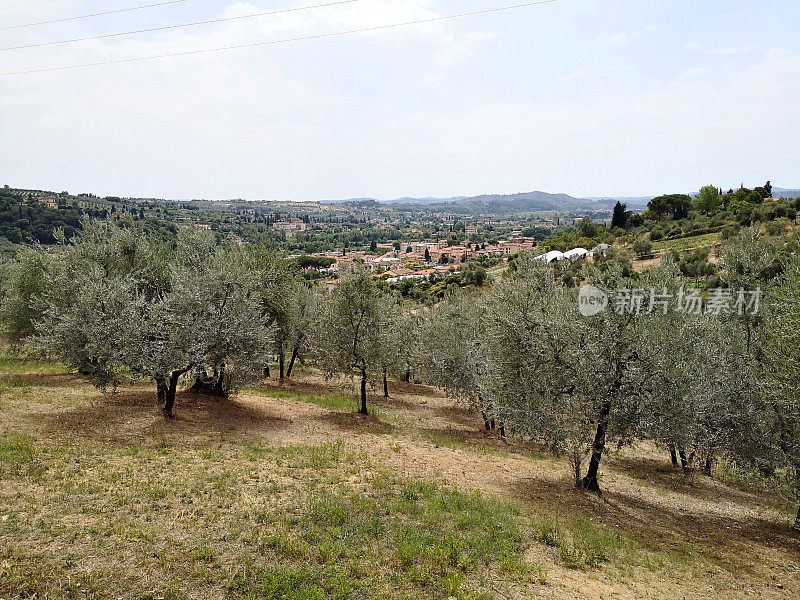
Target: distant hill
{"x": 785, "y": 193}
{"x": 525, "y": 202}
{"x": 430, "y": 200}
{"x": 405, "y": 200}
{"x": 633, "y": 202}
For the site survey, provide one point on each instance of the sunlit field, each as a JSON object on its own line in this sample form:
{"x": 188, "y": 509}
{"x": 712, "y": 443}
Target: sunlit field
{"x": 284, "y": 492}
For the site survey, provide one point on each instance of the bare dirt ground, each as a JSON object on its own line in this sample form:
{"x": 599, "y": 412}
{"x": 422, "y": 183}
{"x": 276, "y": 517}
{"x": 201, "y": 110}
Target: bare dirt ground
{"x": 697, "y": 538}
{"x": 640, "y": 264}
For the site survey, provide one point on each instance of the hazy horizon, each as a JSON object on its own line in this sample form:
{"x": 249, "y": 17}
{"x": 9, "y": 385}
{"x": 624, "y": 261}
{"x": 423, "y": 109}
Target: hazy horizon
{"x": 449, "y": 197}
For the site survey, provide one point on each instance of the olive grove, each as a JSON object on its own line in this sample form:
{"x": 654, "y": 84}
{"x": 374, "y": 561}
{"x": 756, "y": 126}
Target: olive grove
{"x": 710, "y": 386}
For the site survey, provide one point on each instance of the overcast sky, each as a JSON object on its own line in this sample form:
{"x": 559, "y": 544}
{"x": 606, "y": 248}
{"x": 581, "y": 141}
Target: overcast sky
{"x": 586, "y": 97}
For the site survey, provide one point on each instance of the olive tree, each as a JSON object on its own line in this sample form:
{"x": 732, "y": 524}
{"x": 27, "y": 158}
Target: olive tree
{"x": 394, "y": 338}
{"x": 534, "y": 343}
{"x": 748, "y": 262}
{"x": 451, "y": 346}
{"x": 210, "y": 319}
{"x": 304, "y": 309}
{"x": 348, "y": 334}
{"x": 781, "y": 366}
{"x": 628, "y": 354}
{"x": 96, "y": 287}
{"x": 279, "y": 289}
{"x": 122, "y": 304}
{"x": 24, "y": 282}
{"x": 564, "y": 378}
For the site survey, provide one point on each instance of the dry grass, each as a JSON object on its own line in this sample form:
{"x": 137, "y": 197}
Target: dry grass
{"x": 283, "y": 492}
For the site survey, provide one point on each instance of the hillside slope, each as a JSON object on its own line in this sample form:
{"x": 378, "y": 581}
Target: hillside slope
{"x": 283, "y": 492}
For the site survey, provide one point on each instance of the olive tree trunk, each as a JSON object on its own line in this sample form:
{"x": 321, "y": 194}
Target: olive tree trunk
{"x": 212, "y": 386}
{"x": 684, "y": 460}
{"x": 291, "y": 362}
{"x": 385, "y": 384}
{"x": 170, "y": 389}
{"x": 161, "y": 392}
{"x": 576, "y": 463}
{"x": 708, "y": 465}
{"x": 364, "y": 410}
{"x": 590, "y": 483}
{"x": 797, "y": 521}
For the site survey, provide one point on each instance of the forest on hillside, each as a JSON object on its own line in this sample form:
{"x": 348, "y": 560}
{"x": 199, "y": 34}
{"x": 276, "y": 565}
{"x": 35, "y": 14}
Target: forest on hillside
{"x": 30, "y": 222}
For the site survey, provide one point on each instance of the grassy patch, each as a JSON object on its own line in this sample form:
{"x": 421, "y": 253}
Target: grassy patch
{"x": 335, "y": 402}
{"x": 292, "y": 583}
{"x": 459, "y": 441}
{"x": 445, "y": 440}
{"x": 686, "y": 243}
{"x": 425, "y": 540}
{"x": 332, "y": 402}
{"x": 18, "y": 455}
{"x": 10, "y": 365}
{"x": 580, "y": 543}
{"x": 14, "y": 387}
{"x": 299, "y": 456}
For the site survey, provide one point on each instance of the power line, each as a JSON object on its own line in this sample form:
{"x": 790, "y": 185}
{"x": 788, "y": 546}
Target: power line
{"x": 99, "y": 14}
{"x": 285, "y": 41}
{"x": 167, "y": 27}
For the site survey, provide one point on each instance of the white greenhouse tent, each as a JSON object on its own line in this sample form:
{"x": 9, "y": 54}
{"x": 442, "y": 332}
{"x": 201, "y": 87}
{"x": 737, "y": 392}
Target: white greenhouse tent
{"x": 576, "y": 253}
{"x": 551, "y": 256}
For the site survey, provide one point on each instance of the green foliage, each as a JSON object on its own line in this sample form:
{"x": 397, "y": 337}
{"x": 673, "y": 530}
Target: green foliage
{"x": 620, "y": 215}
{"x": 694, "y": 263}
{"x": 473, "y": 274}
{"x": 586, "y": 234}
{"x": 778, "y": 227}
{"x": 686, "y": 243}
{"x": 642, "y": 246}
{"x": 23, "y": 289}
{"x": 25, "y": 222}
{"x": 708, "y": 201}
{"x": 313, "y": 262}
{"x": 587, "y": 228}
{"x": 581, "y": 543}
{"x": 671, "y": 206}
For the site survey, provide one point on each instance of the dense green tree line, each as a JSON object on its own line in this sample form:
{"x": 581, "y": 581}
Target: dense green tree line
{"x": 24, "y": 222}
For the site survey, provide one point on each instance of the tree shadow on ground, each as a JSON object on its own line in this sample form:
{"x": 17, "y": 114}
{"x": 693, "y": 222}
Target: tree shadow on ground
{"x": 355, "y": 422}
{"x": 47, "y": 380}
{"x": 461, "y": 414}
{"x": 414, "y": 389}
{"x": 395, "y": 401}
{"x": 656, "y": 524}
{"x": 467, "y": 436}
{"x": 131, "y": 416}
{"x": 671, "y": 477}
